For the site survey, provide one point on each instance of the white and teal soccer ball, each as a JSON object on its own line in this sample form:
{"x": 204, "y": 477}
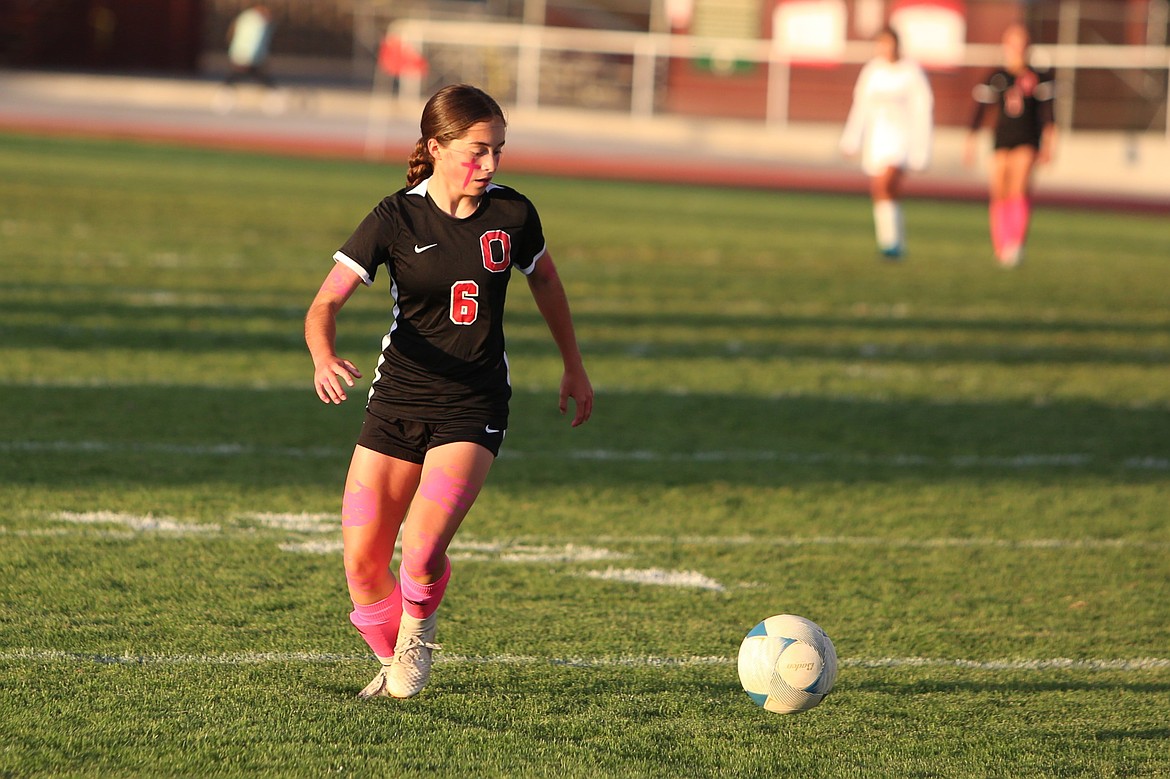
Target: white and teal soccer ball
{"x": 787, "y": 664}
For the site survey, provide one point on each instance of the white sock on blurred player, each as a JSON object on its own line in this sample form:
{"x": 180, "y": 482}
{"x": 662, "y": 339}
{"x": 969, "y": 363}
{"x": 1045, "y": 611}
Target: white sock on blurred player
{"x": 887, "y": 225}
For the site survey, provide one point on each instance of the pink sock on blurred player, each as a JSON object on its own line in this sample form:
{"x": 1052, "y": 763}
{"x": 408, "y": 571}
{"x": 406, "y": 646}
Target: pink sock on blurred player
{"x": 1018, "y": 213}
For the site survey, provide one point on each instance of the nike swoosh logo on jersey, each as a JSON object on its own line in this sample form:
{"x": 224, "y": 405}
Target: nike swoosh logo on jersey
{"x": 420, "y": 249}
{"x": 492, "y": 430}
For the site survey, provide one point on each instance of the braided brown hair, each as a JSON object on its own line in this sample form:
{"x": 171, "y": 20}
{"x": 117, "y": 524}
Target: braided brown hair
{"x": 447, "y": 116}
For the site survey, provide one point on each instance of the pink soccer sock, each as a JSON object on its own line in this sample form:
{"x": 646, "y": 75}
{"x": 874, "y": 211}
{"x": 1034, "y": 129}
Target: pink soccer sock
{"x": 378, "y": 623}
{"x": 422, "y": 600}
{"x": 1019, "y": 213}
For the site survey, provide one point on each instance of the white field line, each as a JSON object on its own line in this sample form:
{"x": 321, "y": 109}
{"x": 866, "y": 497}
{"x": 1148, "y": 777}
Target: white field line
{"x": 894, "y": 460}
{"x": 297, "y": 523}
{"x": 1131, "y": 665}
{"x": 889, "y": 543}
{"x": 140, "y": 523}
{"x": 529, "y": 553}
{"x": 477, "y": 551}
{"x": 480, "y": 551}
{"x": 550, "y": 549}
{"x": 530, "y": 550}
{"x": 190, "y": 450}
{"x": 569, "y": 552}
{"x": 657, "y": 576}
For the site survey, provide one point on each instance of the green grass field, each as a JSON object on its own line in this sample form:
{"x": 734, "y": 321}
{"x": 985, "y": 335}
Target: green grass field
{"x": 962, "y": 473}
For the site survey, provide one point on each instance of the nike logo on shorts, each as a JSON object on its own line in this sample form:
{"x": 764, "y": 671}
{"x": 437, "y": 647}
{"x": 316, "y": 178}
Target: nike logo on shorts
{"x": 420, "y": 249}
{"x": 492, "y": 430}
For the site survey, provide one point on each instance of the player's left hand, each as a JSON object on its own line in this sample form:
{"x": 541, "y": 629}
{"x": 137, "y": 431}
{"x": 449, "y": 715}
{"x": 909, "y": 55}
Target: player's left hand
{"x": 575, "y": 384}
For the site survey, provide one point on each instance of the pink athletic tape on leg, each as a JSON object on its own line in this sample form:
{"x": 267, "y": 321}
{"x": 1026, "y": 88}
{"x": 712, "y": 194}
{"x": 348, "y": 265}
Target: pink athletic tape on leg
{"x": 422, "y": 600}
{"x": 378, "y": 622}
{"x": 359, "y": 507}
{"x": 449, "y": 491}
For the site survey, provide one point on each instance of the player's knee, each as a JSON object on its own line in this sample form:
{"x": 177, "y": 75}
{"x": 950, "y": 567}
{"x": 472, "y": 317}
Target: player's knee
{"x": 364, "y": 572}
{"x": 424, "y": 561}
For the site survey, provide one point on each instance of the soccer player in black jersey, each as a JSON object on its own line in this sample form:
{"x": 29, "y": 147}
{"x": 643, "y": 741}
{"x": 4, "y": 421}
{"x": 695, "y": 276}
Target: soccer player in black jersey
{"x": 1024, "y": 137}
{"x": 438, "y": 405}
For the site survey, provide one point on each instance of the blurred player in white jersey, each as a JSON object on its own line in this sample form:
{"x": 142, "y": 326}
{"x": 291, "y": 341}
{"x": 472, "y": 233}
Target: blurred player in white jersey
{"x": 438, "y": 407}
{"x": 891, "y": 125}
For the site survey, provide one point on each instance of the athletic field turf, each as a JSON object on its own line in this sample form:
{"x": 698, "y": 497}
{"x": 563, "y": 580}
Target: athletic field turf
{"x": 962, "y": 473}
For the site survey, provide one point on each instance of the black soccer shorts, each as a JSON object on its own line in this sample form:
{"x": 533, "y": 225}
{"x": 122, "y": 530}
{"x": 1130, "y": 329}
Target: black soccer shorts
{"x": 410, "y": 440}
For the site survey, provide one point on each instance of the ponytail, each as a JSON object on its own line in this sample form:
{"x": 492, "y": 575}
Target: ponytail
{"x": 420, "y": 164}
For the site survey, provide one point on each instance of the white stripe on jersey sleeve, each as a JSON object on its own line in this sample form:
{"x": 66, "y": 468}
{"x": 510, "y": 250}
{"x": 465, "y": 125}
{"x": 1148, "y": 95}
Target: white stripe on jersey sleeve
{"x": 353, "y": 266}
{"x": 532, "y": 265}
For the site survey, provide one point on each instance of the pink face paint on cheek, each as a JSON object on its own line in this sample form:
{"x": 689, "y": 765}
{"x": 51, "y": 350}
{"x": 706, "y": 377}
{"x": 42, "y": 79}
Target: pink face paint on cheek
{"x": 450, "y": 492}
{"x": 359, "y": 507}
{"x": 472, "y": 167}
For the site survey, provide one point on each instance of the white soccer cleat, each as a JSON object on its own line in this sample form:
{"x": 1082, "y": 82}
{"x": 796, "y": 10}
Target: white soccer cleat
{"x": 379, "y": 688}
{"x": 411, "y": 668}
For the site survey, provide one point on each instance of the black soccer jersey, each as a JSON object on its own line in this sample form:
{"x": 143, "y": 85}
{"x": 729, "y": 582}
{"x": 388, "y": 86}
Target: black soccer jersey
{"x": 444, "y": 355}
{"x": 1025, "y": 106}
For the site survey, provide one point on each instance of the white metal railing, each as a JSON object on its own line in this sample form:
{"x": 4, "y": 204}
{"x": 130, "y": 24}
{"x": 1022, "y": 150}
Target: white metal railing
{"x": 647, "y": 49}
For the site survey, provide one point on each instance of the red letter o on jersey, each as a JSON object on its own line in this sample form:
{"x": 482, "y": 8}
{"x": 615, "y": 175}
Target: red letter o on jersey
{"x": 505, "y": 251}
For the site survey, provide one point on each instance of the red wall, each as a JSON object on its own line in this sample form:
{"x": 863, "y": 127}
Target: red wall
{"x": 125, "y": 35}
{"x": 823, "y": 94}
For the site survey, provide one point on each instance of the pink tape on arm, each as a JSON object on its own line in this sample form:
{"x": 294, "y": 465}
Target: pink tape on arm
{"x": 339, "y": 282}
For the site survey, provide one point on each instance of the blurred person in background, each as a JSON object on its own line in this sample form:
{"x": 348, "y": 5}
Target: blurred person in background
{"x": 103, "y": 29}
{"x": 249, "y": 37}
{"x": 1024, "y": 137}
{"x": 438, "y": 408}
{"x": 891, "y": 125}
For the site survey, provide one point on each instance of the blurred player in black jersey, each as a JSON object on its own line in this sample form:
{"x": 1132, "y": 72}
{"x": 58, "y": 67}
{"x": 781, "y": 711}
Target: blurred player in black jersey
{"x": 1024, "y": 137}
{"x": 438, "y": 408}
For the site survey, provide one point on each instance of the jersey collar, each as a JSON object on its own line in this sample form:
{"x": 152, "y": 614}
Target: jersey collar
{"x": 420, "y": 188}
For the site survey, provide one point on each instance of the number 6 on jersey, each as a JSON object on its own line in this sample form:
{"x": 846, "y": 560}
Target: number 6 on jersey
{"x": 464, "y": 305}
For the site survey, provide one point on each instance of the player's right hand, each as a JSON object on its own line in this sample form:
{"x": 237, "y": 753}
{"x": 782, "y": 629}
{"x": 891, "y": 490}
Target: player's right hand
{"x": 328, "y": 377}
